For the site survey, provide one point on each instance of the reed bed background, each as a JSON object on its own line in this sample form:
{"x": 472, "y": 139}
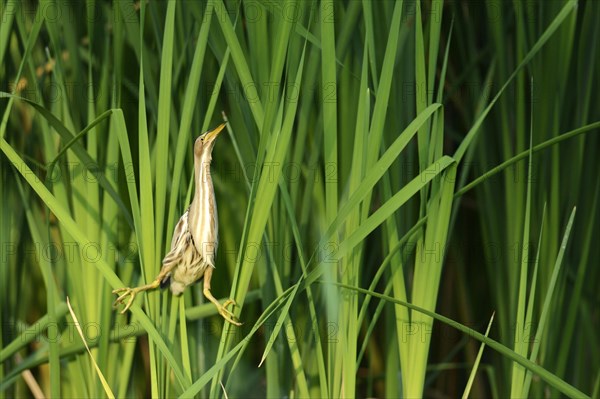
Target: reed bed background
{"x": 408, "y": 197}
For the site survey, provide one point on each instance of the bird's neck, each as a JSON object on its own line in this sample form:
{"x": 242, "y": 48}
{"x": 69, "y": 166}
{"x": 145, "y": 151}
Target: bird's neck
{"x": 203, "y": 190}
{"x": 202, "y": 176}
{"x": 202, "y": 211}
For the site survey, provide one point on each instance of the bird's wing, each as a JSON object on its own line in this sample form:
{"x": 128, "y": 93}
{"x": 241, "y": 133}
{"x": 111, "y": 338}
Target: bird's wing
{"x": 177, "y": 242}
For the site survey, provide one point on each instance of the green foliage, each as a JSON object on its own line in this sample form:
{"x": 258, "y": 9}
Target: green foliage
{"x": 387, "y": 165}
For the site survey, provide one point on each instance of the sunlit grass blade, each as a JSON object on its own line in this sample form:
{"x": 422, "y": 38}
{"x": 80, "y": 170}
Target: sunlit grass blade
{"x": 163, "y": 127}
{"x": 428, "y": 270}
{"x": 477, "y": 360}
{"x": 545, "y": 314}
{"x": 328, "y": 76}
{"x": 521, "y": 344}
{"x": 105, "y": 385}
{"x": 238, "y": 58}
{"x": 5, "y": 30}
{"x": 413, "y": 235}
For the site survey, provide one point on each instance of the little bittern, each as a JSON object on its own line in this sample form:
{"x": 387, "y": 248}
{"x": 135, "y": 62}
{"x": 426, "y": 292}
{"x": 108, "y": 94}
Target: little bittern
{"x": 196, "y": 237}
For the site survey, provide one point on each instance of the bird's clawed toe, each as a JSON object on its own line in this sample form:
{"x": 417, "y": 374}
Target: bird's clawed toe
{"x": 227, "y": 314}
{"x": 229, "y": 302}
{"x": 121, "y": 299}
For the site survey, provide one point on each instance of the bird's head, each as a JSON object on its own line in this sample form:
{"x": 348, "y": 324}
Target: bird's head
{"x": 206, "y": 141}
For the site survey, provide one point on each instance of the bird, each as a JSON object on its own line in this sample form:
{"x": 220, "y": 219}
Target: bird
{"x": 195, "y": 239}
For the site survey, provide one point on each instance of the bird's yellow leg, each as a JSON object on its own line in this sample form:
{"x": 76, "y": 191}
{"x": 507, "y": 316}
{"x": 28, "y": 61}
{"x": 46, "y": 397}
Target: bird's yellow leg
{"x": 166, "y": 269}
{"x": 223, "y": 311}
{"x": 133, "y": 292}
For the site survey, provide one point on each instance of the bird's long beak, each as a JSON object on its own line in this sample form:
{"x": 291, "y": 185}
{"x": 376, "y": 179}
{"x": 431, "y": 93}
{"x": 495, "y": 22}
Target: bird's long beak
{"x": 211, "y": 135}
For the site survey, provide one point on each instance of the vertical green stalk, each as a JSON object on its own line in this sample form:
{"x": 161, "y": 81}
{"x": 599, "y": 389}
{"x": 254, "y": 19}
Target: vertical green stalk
{"x": 162, "y": 131}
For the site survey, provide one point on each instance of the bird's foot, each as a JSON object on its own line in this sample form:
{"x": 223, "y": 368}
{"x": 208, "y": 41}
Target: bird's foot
{"x": 121, "y": 299}
{"x": 226, "y": 313}
{"x": 132, "y": 292}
